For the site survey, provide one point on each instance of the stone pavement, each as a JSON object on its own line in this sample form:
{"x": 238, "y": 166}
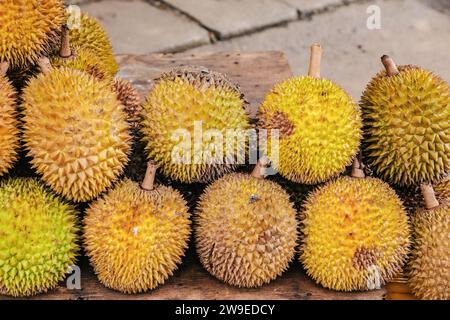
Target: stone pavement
{"x": 412, "y": 31}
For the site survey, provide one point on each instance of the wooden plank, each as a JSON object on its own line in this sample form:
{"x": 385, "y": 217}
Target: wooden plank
{"x": 256, "y": 73}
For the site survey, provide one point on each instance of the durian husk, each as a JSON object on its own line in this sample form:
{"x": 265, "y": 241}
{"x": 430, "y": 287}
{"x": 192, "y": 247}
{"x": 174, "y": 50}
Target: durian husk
{"x": 92, "y": 36}
{"x": 246, "y": 230}
{"x": 135, "y": 238}
{"x": 355, "y": 234}
{"x": 131, "y": 100}
{"x": 9, "y": 131}
{"x": 28, "y": 29}
{"x": 75, "y": 132}
{"x": 429, "y": 266}
{"x": 38, "y": 238}
{"x": 319, "y": 129}
{"x": 178, "y": 99}
{"x": 406, "y": 126}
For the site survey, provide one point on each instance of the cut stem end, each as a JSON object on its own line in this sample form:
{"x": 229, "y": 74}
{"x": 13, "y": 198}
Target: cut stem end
{"x": 358, "y": 169}
{"x": 65, "y": 51}
{"x": 4, "y": 67}
{"x": 389, "y": 65}
{"x": 259, "y": 172}
{"x": 44, "y": 64}
{"x": 149, "y": 179}
{"x": 315, "y": 61}
{"x": 429, "y": 196}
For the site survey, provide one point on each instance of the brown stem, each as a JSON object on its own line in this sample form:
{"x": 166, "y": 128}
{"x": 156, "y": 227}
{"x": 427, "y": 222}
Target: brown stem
{"x": 389, "y": 65}
{"x": 358, "y": 169}
{"x": 429, "y": 196}
{"x": 315, "y": 61}
{"x": 259, "y": 171}
{"x": 65, "y": 51}
{"x": 4, "y": 66}
{"x": 149, "y": 179}
{"x": 44, "y": 64}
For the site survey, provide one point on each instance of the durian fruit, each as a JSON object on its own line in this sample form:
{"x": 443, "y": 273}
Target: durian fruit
{"x": 80, "y": 58}
{"x": 38, "y": 238}
{"x": 319, "y": 126}
{"x": 429, "y": 276}
{"x": 246, "y": 229}
{"x": 28, "y": 29}
{"x": 355, "y": 233}
{"x": 406, "y": 114}
{"x": 92, "y": 36}
{"x": 136, "y": 235}
{"x": 442, "y": 189}
{"x": 8, "y": 124}
{"x": 182, "y": 104}
{"x": 131, "y": 100}
{"x": 75, "y": 132}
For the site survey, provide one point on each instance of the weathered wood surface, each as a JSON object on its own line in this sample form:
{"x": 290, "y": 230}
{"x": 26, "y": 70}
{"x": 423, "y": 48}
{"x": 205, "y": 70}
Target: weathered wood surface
{"x": 256, "y": 73}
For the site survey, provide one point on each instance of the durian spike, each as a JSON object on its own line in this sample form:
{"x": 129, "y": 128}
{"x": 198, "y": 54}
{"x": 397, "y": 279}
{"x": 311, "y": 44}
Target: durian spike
{"x": 44, "y": 64}
{"x": 259, "y": 172}
{"x": 357, "y": 169}
{"x": 149, "y": 179}
{"x": 315, "y": 61}
{"x": 429, "y": 196}
{"x": 389, "y": 64}
{"x": 4, "y": 66}
{"x": 65, "y": 51}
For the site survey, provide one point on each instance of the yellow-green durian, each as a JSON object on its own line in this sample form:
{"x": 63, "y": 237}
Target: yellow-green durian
{"x": 189, "y": 98}
{"x": 407, "y": 128}
{"x": 38, "y": 238}
{"x": 92, "y": 36}
{"x": 355, "y": 234}
{"x": 75, "y": 132}
{"x": 28, "y": 28}
{"x": 86, "y": 60}
{"x": 8, "y": 126}
{"x": 442, "y": 189}
{"x": 319, "y": 128}
{"x": 246, "y": 230}
{"x": 429, "y": 266}
{"x": 135, "y": 237}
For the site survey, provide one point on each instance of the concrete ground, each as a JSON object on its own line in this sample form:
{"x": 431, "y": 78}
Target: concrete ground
{"x": 411, "y": 31}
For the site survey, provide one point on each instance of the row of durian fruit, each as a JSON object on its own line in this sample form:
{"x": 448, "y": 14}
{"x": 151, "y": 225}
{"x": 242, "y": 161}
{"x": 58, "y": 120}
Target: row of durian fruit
{"x": 76, "y": 123}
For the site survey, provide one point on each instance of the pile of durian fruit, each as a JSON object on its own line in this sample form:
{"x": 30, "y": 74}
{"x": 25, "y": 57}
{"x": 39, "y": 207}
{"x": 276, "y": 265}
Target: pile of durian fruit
{"x": 345, "y": 202}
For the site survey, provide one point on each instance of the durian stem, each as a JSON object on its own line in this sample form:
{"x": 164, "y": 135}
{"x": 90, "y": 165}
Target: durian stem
{"x": 390, "y": 66}
{"x": 4, "y": 66}
{"x": 65, "y": 51}
{"x": 149, "y": 179}
{"x": 315, "y": 61}
{"x": 259, "y": 172}
{"x": 429, "y": 196}
{"x": 357, "y": 169}
{"x": 44, "y": 64}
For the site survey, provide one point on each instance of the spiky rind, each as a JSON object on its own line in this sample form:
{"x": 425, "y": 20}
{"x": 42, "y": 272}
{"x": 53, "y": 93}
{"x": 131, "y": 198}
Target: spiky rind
{"x": 246, "y": 230}
{"x": 429, "y": 276}
{"x": 320, "y": 128}
{"x": 130, "y": 98}
{"x": 86, "y": 60}
{"x": 91, "y": 35}
{"x": 9, "y": 131}
{"x": 356, "y": 234}
{"x": 75, "y": 132}
{"x": 38, "y": 238}
{"x": 442, "y": 189}
{"x": 407, "y": 127}
{"x": 186, "y": 98}
{"x": 28, "y": 29}
{"x": 135, "y": 238}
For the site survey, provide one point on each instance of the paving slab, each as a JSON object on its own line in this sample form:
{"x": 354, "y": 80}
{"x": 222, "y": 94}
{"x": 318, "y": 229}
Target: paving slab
{"x": 351, "y": 51}
{"x": 137, "y": 27}
{"x": 309, "y": 6}
{"x": 234, "y": 17}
